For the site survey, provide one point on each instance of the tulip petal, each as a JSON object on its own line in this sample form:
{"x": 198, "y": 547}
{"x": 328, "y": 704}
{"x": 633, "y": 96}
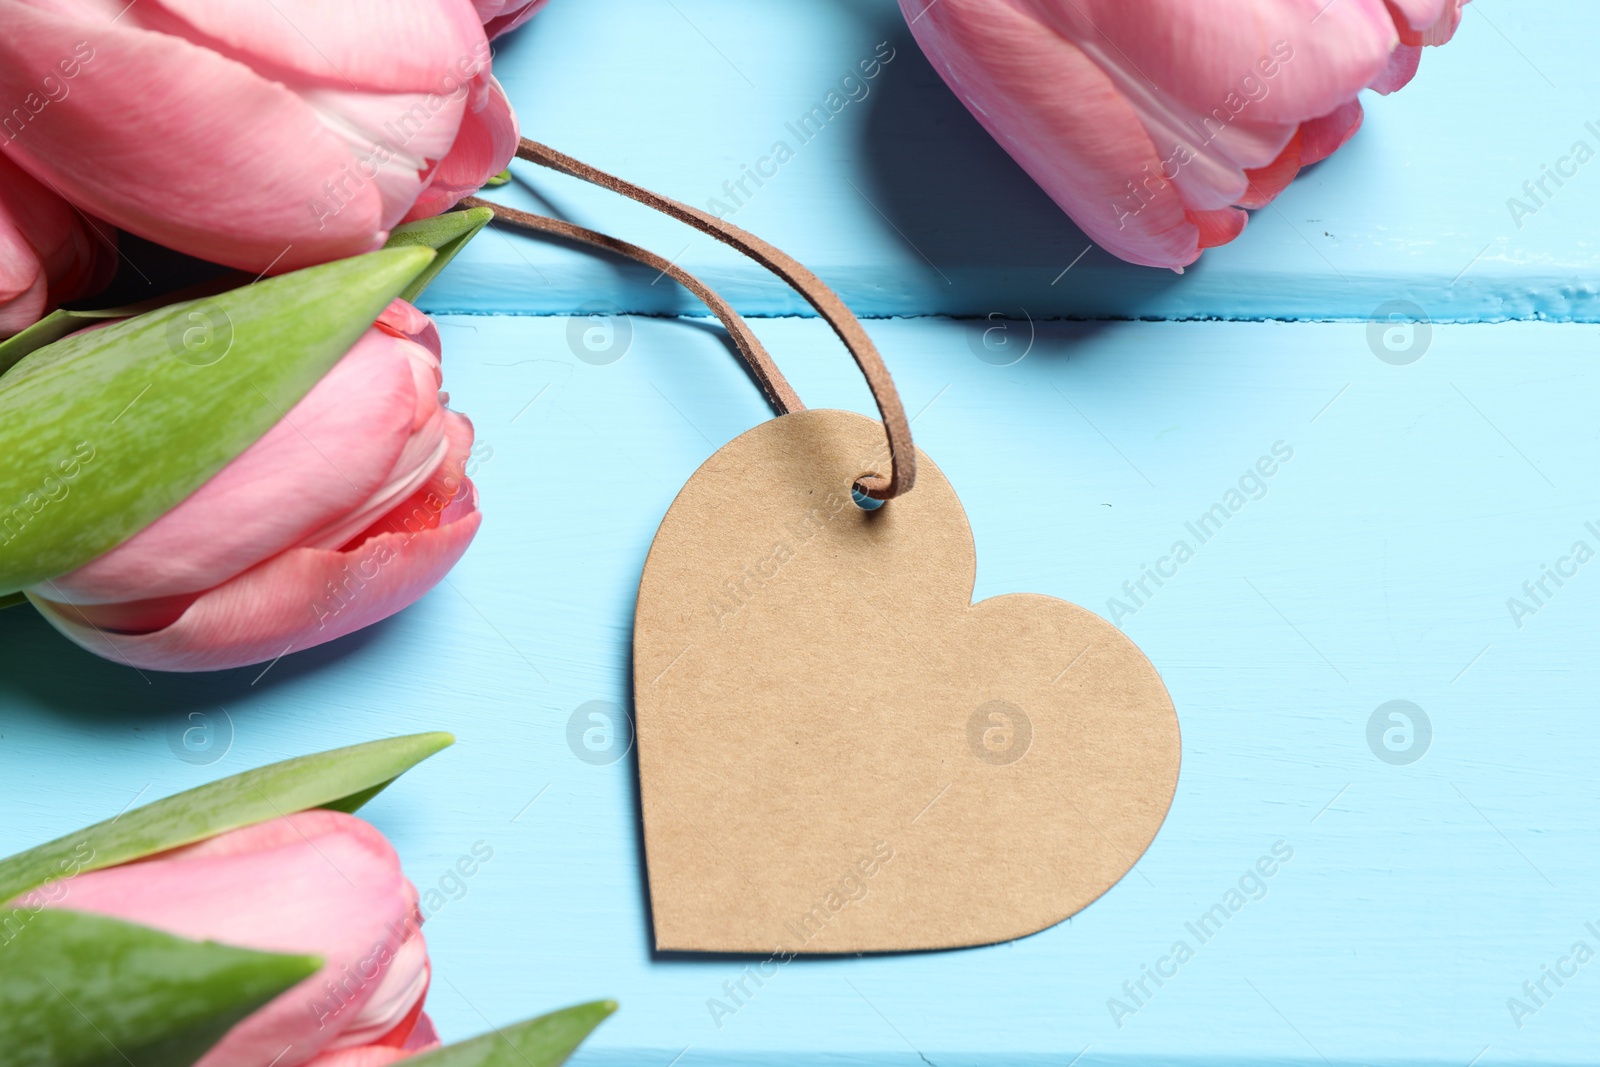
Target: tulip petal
{"x": 510, "y": 14}
{"x": 1399, "y": 71}
{"x": 423, "y": 1036}
{"x": 363, "y": 1056}
{"x": 1061, "y": 117}
{"x": 1267, "y": 182}
{"x": 399, "y": 138}
{"x": 1322, "y": 137}
{"x": 422, "y": 454}
{"x": 1206, "y": 154}
{"x": 1220, "y": 102}
{"x": 24, "y": 289}
{"x": 391, "y": 45}
{"x": 47, "y": 253}
{"x": 316, "y": 882}
{"x": 328, "y": 455}
{"x": 1426, "y": 22}
{"x": 367, "y": 435}
{"x": 79, "y": 256}
{"x": 305, "y": 597}
{"x": 1220, "y": 226}
{"x": 219, "y": 371}
{"x": 283, "y": 606}
{"x": 484, "y": 146}
{"x": 1200, "y": 54}
{"x": 389, "y": 1015}
{"x": 151, "y": 150}
{"x": 404, "y": 319}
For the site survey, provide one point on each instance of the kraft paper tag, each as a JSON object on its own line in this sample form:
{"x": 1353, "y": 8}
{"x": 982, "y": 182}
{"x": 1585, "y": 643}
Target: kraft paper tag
{"x": 839, "y": 751}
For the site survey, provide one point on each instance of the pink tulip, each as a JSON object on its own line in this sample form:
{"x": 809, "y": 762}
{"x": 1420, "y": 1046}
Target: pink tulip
{"x": 503, "y": 16}
{"x": 349, "y": 509}
{"x": 1153, "y": 123}
{"x": 260, "y": 135}
{"x": 318, "y": 883}
{"x": 48, "y": 252}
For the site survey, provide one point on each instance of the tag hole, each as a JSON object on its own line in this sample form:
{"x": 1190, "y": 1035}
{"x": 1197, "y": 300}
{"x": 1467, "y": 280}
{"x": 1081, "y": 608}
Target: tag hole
{"x": 863, "y": 501}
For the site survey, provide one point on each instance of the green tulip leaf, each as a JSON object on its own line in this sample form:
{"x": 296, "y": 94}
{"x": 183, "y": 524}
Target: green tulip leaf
{"x": 543, "y": 1042}
{"x": 340, "y": 779}
{"x": 356, "y": 801}
{"x": 58, "y": 324}
{"x": 445, "y": 234}
{"x": 498, "y": 180}
{"x": 81, "y": 990}
{"x": 104, "y": 432}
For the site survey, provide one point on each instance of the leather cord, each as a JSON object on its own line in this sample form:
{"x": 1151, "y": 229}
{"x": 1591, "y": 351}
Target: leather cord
{"x": 780, "y": 394}
{"x": 902, "y": 453}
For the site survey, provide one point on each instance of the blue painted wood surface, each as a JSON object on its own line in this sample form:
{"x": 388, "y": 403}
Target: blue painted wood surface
{"x": 906, "y": 205}
{"x": 1375, "y": 565}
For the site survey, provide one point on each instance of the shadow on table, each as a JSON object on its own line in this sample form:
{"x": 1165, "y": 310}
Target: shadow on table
{"x": 41, "y": 669}
{"x": 973, "y": 214}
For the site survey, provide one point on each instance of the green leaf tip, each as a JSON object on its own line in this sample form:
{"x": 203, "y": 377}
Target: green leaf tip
{"x": 543, "y": 1042}
{"x": 448, "y": 234}
{"x": 325, "y": 779}
{"x": 104, "y": 432}
{"x": 440, "y": 230}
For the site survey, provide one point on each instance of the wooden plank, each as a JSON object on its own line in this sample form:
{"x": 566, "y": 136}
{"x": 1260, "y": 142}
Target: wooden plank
{"x": 907, "y": 206}
{"x": 1376, "y": 566}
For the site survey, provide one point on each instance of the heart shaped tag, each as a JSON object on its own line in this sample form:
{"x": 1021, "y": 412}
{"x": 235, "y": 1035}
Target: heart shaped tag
{"x": 839, "y": 751}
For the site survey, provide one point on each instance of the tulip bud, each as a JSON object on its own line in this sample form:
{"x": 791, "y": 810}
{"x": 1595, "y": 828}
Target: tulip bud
{"x": 106, "y": 430}
{"x": 236, "y": 477}
{"x": 351, "y": 907}
{"x": 261, "y": 136}
{"x": 1155, "y": 124}
{"x": 180, "y": 932}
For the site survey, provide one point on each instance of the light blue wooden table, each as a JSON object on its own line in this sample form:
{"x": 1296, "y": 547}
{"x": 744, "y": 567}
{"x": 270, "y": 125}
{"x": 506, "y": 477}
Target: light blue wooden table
{"x": 1376, "y": 566}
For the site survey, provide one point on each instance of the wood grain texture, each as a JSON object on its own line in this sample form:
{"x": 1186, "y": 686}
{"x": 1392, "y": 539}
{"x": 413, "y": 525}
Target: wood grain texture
{"x": 1404, "y": 551}
{"x": 1376, "y": 565}
{"x": 906, "y": 206}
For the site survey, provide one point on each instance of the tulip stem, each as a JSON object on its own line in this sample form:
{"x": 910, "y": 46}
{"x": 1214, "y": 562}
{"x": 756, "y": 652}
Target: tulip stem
{"x": 12, "y": 601}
